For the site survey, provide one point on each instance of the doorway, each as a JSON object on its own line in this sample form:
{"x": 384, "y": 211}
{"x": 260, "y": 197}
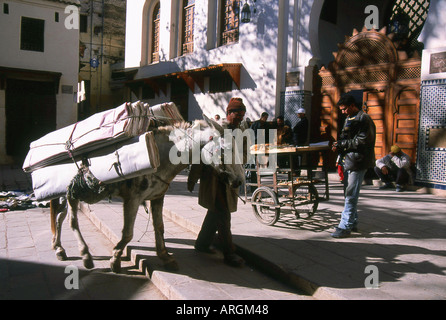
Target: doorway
{"x": 30, "y": 114}
{"x": 390, "y": 90}
{"x": 179, "y": 94}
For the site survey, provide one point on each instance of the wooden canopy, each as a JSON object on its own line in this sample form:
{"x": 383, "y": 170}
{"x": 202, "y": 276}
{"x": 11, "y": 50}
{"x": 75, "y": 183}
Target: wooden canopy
{"x": 191, "y": 77}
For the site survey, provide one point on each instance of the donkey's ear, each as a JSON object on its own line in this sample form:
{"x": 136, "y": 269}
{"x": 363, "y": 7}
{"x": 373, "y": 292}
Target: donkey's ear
{"x": 214, "y": 124}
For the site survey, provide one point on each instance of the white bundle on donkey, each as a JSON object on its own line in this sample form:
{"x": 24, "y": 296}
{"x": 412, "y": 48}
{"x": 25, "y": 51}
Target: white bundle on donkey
{"x": 112, "y": 145}
{"x": 118, "y": 148}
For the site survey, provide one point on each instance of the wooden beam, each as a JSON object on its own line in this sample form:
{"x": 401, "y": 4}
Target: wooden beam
{"x": 234, "y": 71}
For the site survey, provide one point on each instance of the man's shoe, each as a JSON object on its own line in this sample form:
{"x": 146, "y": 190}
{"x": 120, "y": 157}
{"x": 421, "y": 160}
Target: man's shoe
{"x": 340, "y": 233}
{"x": 399, "y": 188}
{"x": 386, "y": 186}
{"x": 205, "y": 249}
{"x": 233, "y": 260}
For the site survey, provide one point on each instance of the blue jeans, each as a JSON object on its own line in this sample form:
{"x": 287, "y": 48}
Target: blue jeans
{"x": 352, "y": 187}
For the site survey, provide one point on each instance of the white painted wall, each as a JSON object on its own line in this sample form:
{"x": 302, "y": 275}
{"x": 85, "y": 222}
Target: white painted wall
{"x": 133, "y": 33}
{"x": 433, "y": 34}
{"x": 61, "y": 48}
{"x": 257, "y": 50}
{"x": 61, "y": 54}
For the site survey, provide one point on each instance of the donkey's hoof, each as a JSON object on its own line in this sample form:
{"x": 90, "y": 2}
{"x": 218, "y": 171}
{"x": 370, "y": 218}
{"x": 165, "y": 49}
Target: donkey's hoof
{"x": 88, "y": 263}
{"x": 61, "y": 255}
{"x": 171, "y": 265}
{"x": 115, "y": 266}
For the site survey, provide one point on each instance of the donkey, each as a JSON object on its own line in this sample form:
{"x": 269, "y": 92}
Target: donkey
{"x": 204, "y": 136}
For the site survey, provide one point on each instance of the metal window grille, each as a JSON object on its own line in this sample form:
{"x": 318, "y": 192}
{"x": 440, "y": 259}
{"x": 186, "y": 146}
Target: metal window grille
{"x": 188, "y": 26}
{"x": 364, "y": 52}
{"x": 416, "y": 11}
{"x": 32, "y": 34}
{"x": 230, "y": 27}
{"x": 156, "y": 33}
{"x": 220, "y": 83}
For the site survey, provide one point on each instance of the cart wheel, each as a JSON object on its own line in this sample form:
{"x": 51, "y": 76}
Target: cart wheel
{"x": 306, "y": 199}
{"x": 265, "y": 205}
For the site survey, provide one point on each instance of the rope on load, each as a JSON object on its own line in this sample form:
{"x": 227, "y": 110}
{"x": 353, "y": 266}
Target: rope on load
{"x": 85, "y": 186}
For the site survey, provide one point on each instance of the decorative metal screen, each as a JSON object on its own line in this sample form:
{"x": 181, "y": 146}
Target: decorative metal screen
{"x": 409, "y": 73}
{"x": 416, "y": 11}
{"x": 188, "y": 26}
{"x": 32, "y": 34}
{"x": 230, "y": 21}
{"x": 156, "y": 33}
{"x": 290, "y": 102}
{"x": 364, "y": 52}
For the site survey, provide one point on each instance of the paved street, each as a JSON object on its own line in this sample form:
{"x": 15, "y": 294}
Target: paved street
{"x": 401, "y": 234}
{"x": 200, "y": 276}
{"x": 401, "y": 238}
{"x": 29, "y": 268}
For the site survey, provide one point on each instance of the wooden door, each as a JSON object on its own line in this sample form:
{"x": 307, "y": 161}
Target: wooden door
{"x": 390, "y": 83}
{"x": 405, "y": 122}
{"x": 30, "y": 114}
{"x": 180, "y": 96}
{"x": 375, "y": 103}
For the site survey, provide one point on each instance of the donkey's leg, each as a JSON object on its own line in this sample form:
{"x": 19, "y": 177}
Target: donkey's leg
{"x": 87, "y": 259}
{"x": 158, "y": 225}
{"x": 58, "y": 210}
{"x": 130, "y": 210}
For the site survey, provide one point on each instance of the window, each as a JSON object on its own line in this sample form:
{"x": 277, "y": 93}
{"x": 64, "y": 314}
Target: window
{"x": 32, "y": 34}
{"x": 329, "y": 11}
{"x": 220, "y": 83}
{"x": 97, "y": 30}
{"x": 230, "y": 21}
{"x": 188, "y": 26}
{"x": 147, "y": 93}
{"x": 6, "y": 8}
{"x": 156, "y": 33}
{"x": 83, "y": 25}
{"x": 414, "y": 12}
{"x": 56, "y": 16}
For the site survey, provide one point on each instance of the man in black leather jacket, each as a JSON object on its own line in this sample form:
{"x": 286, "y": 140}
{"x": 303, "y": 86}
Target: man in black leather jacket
{"x": 356, "y": 147}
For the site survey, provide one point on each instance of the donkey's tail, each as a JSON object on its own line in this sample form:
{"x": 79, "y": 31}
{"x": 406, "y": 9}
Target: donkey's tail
{"x": 56, "y": 206}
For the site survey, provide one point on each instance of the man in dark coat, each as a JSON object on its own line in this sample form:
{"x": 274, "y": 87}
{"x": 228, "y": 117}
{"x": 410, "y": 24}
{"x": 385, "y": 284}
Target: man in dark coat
{"x": 356, "y": 147}
{"x": 261, "y": 136}
{"x": 300, "y": 137}
{"x": 300, "y": 130}
{"x": 219, "y": 198}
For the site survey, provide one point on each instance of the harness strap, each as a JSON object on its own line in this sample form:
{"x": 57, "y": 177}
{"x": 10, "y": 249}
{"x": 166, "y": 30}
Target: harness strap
{"x": 163, "y": 181}
{"x": 69, "y": 146}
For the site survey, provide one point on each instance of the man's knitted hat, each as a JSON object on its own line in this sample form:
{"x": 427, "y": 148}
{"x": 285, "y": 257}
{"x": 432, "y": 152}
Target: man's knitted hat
{"x": 235, "y": 104}
{"x": 395, "y": 149}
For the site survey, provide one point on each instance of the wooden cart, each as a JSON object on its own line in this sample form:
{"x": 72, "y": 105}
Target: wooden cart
{"x": 278, "y": 189}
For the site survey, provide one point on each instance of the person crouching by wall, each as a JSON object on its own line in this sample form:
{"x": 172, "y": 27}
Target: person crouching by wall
{"x": 394, "y": 166}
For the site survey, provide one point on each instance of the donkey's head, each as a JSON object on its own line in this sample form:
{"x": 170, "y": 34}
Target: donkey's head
{"x": 207, "y": 142}
{"x": 222, "y": 153}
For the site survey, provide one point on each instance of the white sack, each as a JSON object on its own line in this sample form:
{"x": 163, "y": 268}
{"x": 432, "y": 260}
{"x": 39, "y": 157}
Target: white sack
{"x": 134, "y": 157}
{"x": 97, "y": 131}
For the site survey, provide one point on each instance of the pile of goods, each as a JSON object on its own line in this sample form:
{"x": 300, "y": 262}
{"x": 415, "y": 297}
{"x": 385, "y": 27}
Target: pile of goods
{"x": 113, "y": 145}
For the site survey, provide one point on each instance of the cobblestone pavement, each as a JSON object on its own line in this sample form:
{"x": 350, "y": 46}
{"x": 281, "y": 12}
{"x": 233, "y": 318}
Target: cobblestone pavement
{"x": 29, "y": 268}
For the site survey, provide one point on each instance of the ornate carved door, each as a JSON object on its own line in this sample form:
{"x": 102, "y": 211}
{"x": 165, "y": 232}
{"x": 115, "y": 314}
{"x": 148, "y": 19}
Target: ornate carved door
{"x": 375, "y": 101}
{"x": 405, "y": 121}
{"x": 390, "y": 81}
